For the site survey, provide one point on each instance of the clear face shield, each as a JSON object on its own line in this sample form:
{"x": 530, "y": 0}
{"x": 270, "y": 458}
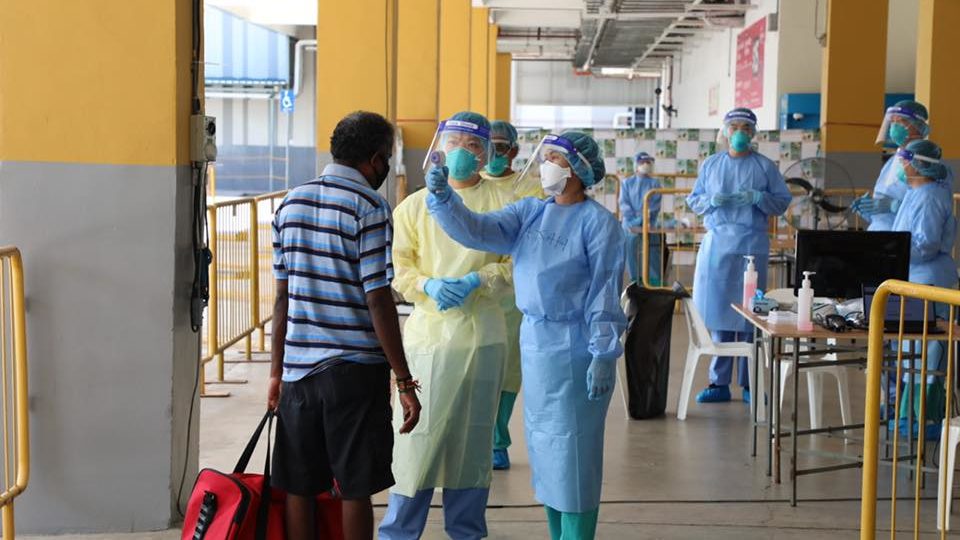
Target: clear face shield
{"x": 912, "y": 165}
{"x": 901, "y": 126}
{"x": 552, "y": 156}
{"x": 727, "y": 136}
{"x": 463, "y": 147}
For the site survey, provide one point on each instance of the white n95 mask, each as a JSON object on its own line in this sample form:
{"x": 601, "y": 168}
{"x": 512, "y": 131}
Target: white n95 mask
{"x": 553, "y": 178}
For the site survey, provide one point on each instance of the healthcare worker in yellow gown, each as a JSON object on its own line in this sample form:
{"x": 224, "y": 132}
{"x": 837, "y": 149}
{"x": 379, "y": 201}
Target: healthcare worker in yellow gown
{"x": 499, "y": 171}
{"x": 455, "y": 342}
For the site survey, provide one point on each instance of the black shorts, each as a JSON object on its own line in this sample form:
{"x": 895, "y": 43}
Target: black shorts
{"x": 335, "y": 424}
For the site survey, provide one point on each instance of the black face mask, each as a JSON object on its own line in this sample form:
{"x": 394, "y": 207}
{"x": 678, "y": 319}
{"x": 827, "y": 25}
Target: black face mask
{"x": 381, "y": 177}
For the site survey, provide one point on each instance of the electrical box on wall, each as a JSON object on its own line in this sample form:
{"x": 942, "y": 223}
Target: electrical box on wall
{"x": 203, "y": 138}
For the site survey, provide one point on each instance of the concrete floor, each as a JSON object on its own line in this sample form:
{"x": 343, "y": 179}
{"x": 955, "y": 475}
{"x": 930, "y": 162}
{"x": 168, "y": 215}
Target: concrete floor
{"x": 663, "y": 479}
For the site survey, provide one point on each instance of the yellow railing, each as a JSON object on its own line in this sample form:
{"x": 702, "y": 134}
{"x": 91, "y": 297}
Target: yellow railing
{"x": 13, "y": 376}
{"x": 241, "y": 279}
{"x": 914, "y": 458}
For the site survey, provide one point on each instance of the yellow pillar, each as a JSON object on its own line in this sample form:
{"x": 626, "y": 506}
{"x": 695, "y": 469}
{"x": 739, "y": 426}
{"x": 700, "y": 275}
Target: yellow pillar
{"x": 49, "y": 91}
{"x": 479, "y": 59}
{"x": 356, "y": 62}
{"x": 96, "y": 190}
{"x": 492, "y": 31}
{"x": 453, "y": 93}
{"x": 504, "y": 74}
{"x": 418, "y": 71}
{"x": 938, "y": 78}
{"x": 854, "y": 68}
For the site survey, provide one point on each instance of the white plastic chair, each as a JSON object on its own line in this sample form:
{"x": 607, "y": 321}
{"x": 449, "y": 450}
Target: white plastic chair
{"x": 702, "y": 344}
{"x": 814, "y": 375}
{"x": 948, "y": 460}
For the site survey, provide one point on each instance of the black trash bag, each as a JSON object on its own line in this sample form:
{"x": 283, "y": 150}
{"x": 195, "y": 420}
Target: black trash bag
{"x": 647, "y": 348}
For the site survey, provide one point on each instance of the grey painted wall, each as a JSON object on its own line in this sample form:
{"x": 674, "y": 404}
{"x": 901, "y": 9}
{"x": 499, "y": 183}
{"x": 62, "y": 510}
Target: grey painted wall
{"x": 112, "y": 357}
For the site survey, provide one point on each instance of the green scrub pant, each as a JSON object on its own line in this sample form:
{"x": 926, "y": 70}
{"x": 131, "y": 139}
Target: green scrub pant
{"x": 501, "y": 433}
{"x": 572, "y": 526}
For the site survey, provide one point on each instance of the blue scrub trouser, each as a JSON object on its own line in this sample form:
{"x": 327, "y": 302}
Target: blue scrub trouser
{"x": 721, "y": 368}
{"x": 464, "y": 514}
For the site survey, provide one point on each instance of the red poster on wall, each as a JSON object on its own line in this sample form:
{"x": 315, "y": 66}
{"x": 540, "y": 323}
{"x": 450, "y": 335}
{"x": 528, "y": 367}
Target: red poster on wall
{"x": 749, "y": 88}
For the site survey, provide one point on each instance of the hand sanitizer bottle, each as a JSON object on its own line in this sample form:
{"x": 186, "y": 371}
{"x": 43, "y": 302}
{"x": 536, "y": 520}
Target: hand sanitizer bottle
{"x": 749, "y": 283}
{"x": 805, "y": 304}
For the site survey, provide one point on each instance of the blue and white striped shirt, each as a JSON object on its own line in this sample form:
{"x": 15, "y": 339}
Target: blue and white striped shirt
{"x": 332, "y": 243}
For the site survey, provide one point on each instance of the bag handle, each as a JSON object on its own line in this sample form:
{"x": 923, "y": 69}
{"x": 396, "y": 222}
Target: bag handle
{"x": 252, "y": 445}
{"x": 263, "y": 512}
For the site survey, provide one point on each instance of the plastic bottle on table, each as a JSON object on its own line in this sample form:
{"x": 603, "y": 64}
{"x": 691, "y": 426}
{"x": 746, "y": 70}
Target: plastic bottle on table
{"x": 749, "y": 283}
{"x": 805, "y": 304}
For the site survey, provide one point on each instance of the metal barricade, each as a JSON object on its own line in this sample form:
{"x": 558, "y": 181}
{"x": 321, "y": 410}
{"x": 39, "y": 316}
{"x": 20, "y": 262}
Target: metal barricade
{"x": 241, "y": 280}
{"x": 906, "y": 461}
{"x": 677, "y": 233}
{"x": 13, "y": 376}
{"x": 266, "y": 206}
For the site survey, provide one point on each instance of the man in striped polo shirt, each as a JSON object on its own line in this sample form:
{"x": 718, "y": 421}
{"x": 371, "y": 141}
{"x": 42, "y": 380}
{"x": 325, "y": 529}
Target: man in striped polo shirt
{"x": 336, "y": 334}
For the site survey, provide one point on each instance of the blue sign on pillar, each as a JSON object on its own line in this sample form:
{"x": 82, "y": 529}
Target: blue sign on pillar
{"x": 287, "y": 101}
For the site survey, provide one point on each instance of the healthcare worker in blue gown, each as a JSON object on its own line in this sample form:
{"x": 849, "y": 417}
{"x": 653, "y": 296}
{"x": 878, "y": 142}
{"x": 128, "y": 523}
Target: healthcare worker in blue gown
{"x": 632, "y": 192}
{"x": 906, "y": 121}
{"x": 736, "y": 191}
{"x": 567, "y": 253}
{"x": 927, "y": 214}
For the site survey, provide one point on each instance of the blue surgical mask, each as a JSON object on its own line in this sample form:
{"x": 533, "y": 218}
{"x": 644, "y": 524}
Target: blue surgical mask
{"x": 497, "y": 165}
{"x": 899, "y": 134}
{"x": 739, "y": 141}
{"x": 462, "y": 163}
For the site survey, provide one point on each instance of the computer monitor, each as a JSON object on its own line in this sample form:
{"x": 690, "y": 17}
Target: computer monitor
{"x": 846, "y": 261}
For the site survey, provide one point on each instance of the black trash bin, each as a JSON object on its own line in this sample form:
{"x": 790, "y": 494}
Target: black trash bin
{"x": 647, "y": 348}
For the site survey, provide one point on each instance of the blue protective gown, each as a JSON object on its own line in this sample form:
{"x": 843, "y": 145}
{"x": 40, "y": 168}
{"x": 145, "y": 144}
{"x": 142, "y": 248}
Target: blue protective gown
{"x": 568, "y": 268}
{"x": 888, "y": 185}
{"x": 927, "y": 213}
{"x": 632, "y": 192}
{"x": 733, "y": 233}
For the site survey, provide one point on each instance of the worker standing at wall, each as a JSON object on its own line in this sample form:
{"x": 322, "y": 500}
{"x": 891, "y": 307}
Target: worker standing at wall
{"x": 632, "y": 192}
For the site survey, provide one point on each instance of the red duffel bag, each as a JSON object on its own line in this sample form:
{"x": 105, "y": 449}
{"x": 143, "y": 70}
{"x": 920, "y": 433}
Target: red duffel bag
{"x": 232, "y": 506}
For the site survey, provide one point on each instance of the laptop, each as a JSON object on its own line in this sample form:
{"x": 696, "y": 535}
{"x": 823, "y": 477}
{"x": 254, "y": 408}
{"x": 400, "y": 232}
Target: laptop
{"x": 912, "y": 314}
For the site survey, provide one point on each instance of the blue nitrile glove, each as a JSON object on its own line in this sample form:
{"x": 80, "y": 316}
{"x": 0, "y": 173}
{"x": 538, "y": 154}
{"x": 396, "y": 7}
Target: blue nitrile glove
{"x": 440, "y": 292}
{"x": 867, "y": 206}
{"x": 636, "y": 222}
{"x": 600, "y": 378}
{"x": 745, "y": 198}
{"x": 462, "y": 287}
{"x": 721, "y": 199}
{"x": 436, "y": 181}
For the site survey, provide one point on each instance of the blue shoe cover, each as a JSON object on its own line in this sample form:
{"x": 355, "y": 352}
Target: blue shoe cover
{"x": 501, "y": 460}
{"x": 714, "y": 394}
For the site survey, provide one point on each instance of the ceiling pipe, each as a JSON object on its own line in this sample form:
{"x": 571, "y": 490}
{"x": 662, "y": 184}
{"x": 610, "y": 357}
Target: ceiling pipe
{"x": 605, "y": 9}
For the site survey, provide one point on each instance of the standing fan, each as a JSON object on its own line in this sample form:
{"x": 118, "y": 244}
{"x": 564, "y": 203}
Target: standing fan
{"x": 814, "y": 206}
